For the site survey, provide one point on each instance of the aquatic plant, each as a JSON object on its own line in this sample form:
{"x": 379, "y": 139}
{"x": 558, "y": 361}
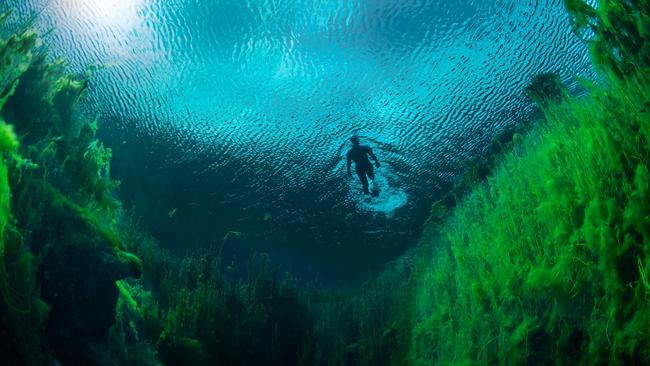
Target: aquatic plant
{"x": 546, "y": 261}
{"x": 22, "y": 312}
{"x": 616, "y": 31}
{"x": 366, "y": 324}
{"x": 190, "y": 313}
{"x": 543, "y": 89}
{"x": 62, "y": 142}
{"x": 60, "y": 256}
{"x": 546, "y": 87}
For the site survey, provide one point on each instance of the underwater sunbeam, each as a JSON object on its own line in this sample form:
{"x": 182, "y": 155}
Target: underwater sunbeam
{"x": 102, "y": 13}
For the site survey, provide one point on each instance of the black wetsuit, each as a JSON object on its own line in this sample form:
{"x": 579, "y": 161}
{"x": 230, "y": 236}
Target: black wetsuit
{"x": 363, "y": 167}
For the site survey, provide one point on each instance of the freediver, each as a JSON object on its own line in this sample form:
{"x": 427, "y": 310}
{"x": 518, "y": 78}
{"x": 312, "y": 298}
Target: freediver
{"x": 363, "y": 167}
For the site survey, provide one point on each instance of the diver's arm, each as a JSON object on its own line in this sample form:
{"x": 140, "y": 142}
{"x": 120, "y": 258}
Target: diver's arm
{"x": 372, "y": 155}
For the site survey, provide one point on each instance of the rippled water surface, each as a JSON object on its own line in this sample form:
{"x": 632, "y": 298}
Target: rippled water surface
{"x": 235, "y": 115}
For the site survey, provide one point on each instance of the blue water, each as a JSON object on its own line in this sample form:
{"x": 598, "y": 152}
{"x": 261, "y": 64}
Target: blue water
{"x": 235, "y": 115}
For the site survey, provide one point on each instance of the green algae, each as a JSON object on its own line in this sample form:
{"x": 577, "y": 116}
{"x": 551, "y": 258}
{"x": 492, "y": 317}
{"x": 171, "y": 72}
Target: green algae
{"x": 56, "y": 214}
{"x": 616, "y": 31}
{"x": 548, "y": 256}
{"x": 127, "y": 296}
{"x": 16, "y": 55}
{"x": 365, "y": 325}
{"x": 23, "y": 313}
{"x": 545, "y": 262}
{"x": 190, "y": 312}
{"x": 546, "y": 88}
{"x": 546, "y": 251}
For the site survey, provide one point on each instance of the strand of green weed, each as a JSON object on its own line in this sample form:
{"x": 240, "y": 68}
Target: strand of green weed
{"x": 643, "y": 273}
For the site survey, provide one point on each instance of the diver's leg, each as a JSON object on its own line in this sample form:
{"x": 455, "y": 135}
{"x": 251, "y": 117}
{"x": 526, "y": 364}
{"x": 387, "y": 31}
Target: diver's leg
{"x": 362, "y": 177}
{"x": 371, "y": 174}
{"x": 370, "y": 171}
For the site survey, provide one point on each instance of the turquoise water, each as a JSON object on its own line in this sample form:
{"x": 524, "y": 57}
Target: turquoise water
{"x": 237, "y": 114}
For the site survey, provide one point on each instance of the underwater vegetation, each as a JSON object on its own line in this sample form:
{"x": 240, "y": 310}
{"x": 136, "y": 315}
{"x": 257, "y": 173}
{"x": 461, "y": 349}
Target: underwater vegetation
{"x": 196, "y": 311}
{"x": 80, "y": 284}
{"x": 542, "y": 258}
{"x": 548, "y": 257}
{"x": 546, "y": 261}
{"x": 546, "y": 88}
{"x": 616, "y": 32}
{"x": 543, "y": 89}
{"x": 361, "y": 326}
{"x": 60, "y": 253}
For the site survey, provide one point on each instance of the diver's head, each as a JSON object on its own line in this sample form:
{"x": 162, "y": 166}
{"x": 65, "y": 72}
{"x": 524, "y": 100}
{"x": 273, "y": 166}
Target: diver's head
{"x": 354, "y": 140}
